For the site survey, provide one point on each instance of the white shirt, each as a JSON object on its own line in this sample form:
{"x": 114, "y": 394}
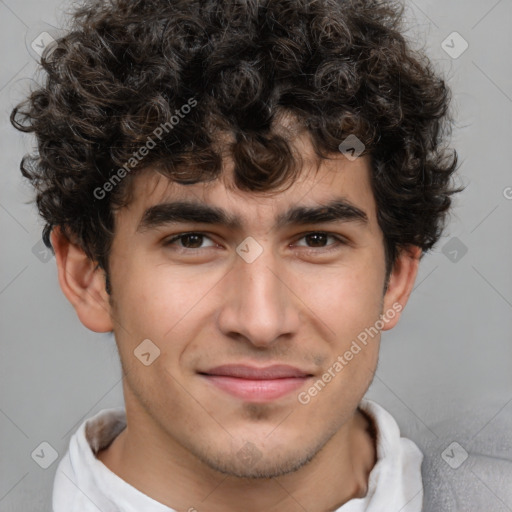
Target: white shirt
{"x": 84, "y": 484}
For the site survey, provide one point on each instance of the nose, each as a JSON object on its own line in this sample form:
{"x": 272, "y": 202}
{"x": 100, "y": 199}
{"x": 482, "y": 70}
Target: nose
{"x": 258, "y": 303}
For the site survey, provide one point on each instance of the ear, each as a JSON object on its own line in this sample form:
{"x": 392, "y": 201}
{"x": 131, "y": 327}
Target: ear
{"x": 401, "y": 282}
{"x": 82, "y": 283}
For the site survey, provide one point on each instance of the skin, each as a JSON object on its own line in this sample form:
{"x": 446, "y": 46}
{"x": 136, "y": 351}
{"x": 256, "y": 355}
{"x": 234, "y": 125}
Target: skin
{"x": 297, "y": 303}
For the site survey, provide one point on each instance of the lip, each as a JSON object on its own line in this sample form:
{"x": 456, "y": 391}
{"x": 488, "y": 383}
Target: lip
{"x": 244, "y": 371}
{"x": 256, "y": 384}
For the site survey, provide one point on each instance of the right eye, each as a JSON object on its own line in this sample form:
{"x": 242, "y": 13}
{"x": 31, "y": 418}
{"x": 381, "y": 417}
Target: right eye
{"x": 189, "y": 241}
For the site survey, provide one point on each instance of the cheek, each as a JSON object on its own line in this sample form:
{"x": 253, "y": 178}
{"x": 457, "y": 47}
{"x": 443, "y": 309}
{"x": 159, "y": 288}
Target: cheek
{"x": 150, "y": 295}
{"x": 347, "y": 299}
{"x": 167, "y": 307}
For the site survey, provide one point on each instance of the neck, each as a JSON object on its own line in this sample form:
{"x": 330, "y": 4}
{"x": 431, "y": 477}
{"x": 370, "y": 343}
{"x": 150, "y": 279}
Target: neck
{"x": 168, "y": 473}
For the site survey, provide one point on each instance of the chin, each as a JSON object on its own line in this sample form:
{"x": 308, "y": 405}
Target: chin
{"x": 261, "y": 470}
{"x": 252, "y": 462}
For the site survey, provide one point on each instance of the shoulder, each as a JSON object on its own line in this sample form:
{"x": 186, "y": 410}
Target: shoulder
{"x": 467, "y": 461}
{"x": 80, "y": 475}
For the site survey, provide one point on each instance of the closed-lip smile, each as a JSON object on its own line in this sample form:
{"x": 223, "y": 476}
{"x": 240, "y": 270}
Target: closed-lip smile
{"x": 256, "y": 384}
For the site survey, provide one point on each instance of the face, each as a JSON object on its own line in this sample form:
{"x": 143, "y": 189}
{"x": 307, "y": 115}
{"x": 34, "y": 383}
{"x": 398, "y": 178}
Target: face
{"x": 253, "y": 293}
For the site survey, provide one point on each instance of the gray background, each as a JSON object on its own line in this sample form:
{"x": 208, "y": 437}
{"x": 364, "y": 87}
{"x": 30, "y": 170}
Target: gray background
{"x": 449, "y": 357}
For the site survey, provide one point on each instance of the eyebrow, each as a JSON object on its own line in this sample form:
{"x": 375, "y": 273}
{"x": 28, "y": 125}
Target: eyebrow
{"x": 336, "y": 210}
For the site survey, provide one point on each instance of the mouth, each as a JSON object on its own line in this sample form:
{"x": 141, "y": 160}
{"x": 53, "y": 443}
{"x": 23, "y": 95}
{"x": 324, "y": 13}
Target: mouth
{"x": 254, "y": 384}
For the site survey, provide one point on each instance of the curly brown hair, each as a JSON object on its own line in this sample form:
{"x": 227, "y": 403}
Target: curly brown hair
{"x": 339, "y": 67}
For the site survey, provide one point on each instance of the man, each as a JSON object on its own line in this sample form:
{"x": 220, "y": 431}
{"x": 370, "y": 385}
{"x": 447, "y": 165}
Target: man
{"x": 241, "y": 192}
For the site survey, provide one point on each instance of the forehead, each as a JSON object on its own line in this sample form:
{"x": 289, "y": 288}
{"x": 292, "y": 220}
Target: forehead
{"x": 317, "y": 183}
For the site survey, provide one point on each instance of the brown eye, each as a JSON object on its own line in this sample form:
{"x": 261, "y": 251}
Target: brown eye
{"x": 192, "y": 241}
{"x": 189, "y": 241}
{"x": 319, "y": 239}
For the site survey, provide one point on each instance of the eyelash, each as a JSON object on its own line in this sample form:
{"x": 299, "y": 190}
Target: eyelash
{"x": 332, "y": 247}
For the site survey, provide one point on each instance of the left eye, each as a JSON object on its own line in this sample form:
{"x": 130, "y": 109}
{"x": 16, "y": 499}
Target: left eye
{"x": 318, "y": 237}
{"x": 194, "y": 240}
